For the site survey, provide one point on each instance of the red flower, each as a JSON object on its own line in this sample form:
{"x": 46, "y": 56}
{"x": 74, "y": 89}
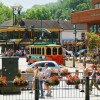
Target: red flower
{"x": 3, "y": 81}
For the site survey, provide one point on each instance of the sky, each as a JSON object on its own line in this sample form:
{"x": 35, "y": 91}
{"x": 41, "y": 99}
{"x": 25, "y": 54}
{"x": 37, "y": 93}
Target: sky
{"x": 26, "y": 3}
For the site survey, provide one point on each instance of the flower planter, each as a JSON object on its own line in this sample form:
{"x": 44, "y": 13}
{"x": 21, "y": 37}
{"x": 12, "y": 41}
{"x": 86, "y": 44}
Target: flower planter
{"x": 89, "y": 73}
{"x": 64, "y": 74}
{"x": 51, "y": 84}
{"x": 98, "y": 73}
{"x": 68, "y": 82}
{"x": 29, "y": 77}
{"x": 10, "y": 90}
{"x": 52, "y": 81}
{"x": 21, "y": 85}
{"x": 53, "y": 74}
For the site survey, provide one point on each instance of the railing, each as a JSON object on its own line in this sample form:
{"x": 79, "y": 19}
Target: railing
{"x": 60, "y": 91}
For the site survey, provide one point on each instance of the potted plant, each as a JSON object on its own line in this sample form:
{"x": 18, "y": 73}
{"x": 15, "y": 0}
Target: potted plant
{"x": 64, "y": 72}
{"x": 53, "y": 81}
{"x": 3, "y": 81}
{"x": 53, "y": 72}
{"x": 73, "y": 80}
{"x": 20, "y": 81}
{"x": 29, "y": 70}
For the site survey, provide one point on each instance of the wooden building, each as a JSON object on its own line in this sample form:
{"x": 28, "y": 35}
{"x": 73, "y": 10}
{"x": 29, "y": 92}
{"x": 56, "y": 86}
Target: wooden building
{"x": 37, "y": 31}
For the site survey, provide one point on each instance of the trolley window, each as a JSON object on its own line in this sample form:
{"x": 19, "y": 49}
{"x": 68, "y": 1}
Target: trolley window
{"x": 48, "y": 51}
{"x": 54, "y": 51}
{"x": 60, "y": 51}
{"x": 42, "y": 51}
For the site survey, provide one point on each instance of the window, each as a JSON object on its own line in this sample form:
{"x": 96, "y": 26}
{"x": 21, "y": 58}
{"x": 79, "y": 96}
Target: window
{"x": 50, "y": 64}
{"x": 42, "y": 51}
{"x": 54, "y": 51}
{"x": 60, "y": 51}
{"x": 97, "y": 6}
{"x": 48, "y": 51}
{"x": 37, "y": 50}
{"x": 33, "y": 50}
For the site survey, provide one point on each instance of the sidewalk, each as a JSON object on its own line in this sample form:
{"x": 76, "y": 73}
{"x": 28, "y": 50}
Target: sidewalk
{"x": 78, "y": 65}
{"x": 72, "y": 99}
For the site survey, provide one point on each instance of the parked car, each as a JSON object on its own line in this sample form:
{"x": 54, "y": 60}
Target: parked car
{"x": 82, "y": 52}
{"x": 69, "y": 53}
{"x": 51, "y": 64}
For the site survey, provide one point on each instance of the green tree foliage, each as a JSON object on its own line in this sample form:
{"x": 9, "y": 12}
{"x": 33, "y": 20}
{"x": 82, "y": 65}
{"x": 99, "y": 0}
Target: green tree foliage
{"x": 5, "y": 13}
{"x": 93, "y": 40}
{"x": 38, "y": 13}
{"x": 62, "y": 9}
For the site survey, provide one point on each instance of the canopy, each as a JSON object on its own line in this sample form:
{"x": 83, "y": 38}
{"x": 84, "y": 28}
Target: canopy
{"x": 69, "y": 40}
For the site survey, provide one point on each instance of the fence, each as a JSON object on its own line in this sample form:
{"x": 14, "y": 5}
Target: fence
{"x": 60, "y": 91}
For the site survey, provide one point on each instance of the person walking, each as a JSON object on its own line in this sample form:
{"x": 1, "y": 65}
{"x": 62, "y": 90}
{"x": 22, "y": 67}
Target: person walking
{"x": 35, "y": 76}
{"x": 93, "y": 78}
{"x": 41, "y": 76}
{"x": 85, "y": 74}
{"x": 47, "y": 74}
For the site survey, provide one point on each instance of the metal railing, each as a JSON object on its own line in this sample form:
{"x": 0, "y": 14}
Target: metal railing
{"x": 62, "y": 90}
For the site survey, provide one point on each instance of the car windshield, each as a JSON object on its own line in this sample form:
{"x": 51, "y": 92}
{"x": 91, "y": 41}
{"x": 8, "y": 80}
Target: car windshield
{"x": 50, "y": 64}
{"x": 82, "y": 50}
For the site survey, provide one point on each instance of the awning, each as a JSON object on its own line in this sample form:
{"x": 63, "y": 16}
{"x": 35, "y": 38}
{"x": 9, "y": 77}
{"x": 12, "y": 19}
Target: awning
{"x": 69, "y": 40}
{"x": 6, "y": 43}
{"x": 15, "y": 40}
{"x": 26, "y": 41}
{"x": 10, "y": 29}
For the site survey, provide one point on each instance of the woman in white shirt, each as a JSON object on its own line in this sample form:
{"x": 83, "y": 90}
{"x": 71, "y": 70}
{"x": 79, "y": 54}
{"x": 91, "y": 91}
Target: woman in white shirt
{"x": 40, "y": 76}
{"x": 35, "y": 76}
{"x": 47, "y": 74}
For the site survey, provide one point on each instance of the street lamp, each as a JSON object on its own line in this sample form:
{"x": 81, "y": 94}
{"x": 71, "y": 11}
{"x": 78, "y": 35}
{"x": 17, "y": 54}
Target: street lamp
{"x": 16, "y": 11}
{"x": 74, "y": 32}
{"x": 5, "y": 37}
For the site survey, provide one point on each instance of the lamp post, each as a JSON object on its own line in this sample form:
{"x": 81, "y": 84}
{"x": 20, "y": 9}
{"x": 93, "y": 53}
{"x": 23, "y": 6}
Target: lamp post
{"x": 74, "y": 32}
{"x": 5, "y": 37}
{"x": 41, "y": 28}
{"x": 16, "y": 11}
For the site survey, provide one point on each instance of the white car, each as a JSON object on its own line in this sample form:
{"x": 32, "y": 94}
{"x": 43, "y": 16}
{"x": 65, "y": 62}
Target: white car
{"x": 51, "y": 64}
{"x": 69, "y": 53}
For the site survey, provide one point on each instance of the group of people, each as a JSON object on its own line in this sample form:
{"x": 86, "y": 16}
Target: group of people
{"x": 11, "y": 52}
{"x": 43, "y": 75}
{"x": 38, "y": 73}
{"x": 93, "y": 77}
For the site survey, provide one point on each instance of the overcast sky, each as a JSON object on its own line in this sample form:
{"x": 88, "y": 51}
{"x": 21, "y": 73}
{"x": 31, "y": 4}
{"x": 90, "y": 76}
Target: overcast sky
{"x": 26, "y": 3}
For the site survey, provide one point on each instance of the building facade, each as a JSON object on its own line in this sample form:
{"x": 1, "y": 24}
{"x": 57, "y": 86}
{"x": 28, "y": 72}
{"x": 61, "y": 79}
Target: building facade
{"x": 19, "y": 36}
{"x": 90, "y": 17}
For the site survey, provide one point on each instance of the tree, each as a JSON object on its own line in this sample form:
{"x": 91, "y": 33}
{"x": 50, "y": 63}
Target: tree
{"x": 93, "y": 40}
{"x": 38, "y": 13}
{"x": 5, "y": 13}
